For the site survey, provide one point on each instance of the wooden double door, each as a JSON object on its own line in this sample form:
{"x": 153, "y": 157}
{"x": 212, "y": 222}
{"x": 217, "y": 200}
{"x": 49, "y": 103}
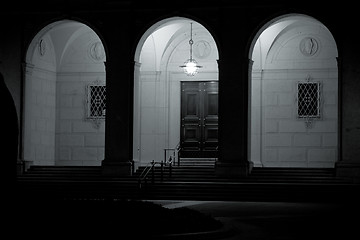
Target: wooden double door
{"x": 199, "y": 119}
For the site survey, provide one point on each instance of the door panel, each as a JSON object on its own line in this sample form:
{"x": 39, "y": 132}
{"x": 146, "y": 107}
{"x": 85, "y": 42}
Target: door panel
{"x": 199, "y": 119}
{"x": 190, "y": 118}
{"x": 210, "y": 138}
{"x": 191, "y": 134}
{"x": 210, "y": 117}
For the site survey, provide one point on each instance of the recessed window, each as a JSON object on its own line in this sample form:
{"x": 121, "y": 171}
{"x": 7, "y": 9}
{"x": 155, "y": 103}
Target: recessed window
{"x": 308, "y": 94}
{"x": 96, "y": 101}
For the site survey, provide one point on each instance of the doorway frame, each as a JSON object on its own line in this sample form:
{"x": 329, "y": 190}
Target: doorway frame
{"x": 201, "y": 122}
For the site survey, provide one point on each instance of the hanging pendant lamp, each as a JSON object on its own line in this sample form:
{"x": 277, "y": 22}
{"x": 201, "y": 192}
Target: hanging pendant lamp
{"x": 190, "y": 66}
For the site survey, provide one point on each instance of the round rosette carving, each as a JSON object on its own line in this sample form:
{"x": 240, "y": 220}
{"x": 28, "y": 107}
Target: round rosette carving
{"x": 97, "y": 51}
{"x": 309, "y": 46}
{"x": 202, "y": 49}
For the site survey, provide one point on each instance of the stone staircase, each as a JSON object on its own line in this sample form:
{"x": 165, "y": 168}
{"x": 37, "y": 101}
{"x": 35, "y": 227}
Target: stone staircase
{"x": 194, "y": 179}
{"x": 74, "y": 182}
{"x": 193, "y": 170}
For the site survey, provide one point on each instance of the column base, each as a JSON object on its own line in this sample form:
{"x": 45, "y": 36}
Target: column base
{"x": 233, "y": 170}
{"x": 116, "y": 168}
{"x": 20, "y": 167}
{"x": 348, "y": 170}
{"x": 23, "y": 165}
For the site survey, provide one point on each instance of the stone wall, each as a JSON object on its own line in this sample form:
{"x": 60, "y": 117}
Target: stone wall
{"x": 279, "y": 138}
{"x": 56, "y": 128}
{"x": 79, "y": 141}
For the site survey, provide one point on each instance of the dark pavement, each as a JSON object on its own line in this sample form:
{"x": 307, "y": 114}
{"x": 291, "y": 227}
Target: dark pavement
{"x": 279, "y": 220}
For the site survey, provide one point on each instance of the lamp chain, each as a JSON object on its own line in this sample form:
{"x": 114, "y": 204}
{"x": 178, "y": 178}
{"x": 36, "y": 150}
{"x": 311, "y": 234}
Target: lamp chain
{"x": 191, "y": 41}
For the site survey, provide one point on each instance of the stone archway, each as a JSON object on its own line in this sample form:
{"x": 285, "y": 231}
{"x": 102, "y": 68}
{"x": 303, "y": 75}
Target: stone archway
{"x": 160, "y": 52}
{"x": 64, "y": 87}
{"x": 293, "y": 60}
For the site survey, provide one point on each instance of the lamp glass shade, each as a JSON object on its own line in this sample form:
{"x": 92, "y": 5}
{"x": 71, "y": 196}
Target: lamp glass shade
{"x": 191, "y": 67}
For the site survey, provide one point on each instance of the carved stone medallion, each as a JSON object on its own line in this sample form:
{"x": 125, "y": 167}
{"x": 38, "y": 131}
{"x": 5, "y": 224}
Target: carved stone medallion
{"x": 42, "y": 47}
{"x": 309, "y": 46}
{"x": 97, "y": 51}
{"x": 202, "y": 49}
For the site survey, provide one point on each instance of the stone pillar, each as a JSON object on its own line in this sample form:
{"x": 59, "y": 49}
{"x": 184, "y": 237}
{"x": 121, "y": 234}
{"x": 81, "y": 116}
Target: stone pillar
{"x": 119, "y": 115}
{"x": 137, "y": 119}
{"x": 233, "y": 118}
{"x": 348, "y": 165}
{"x": 10, "y": 122}
{"x": 24, "y": 163}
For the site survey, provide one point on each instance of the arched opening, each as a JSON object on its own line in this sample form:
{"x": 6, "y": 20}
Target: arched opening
{"x": 294, "y": 94}
{"x": 64, "y": 96}
{"x": 158, "y": 85}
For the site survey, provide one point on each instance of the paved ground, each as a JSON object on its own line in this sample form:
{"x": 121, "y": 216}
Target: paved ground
{"x": 279, "y": 220}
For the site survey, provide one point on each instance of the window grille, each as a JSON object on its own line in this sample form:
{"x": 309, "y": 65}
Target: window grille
{"x": 308, "y": 101}
{"x": 96, "y": 103}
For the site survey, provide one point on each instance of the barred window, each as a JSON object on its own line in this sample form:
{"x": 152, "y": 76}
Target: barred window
{"x": 96, "y": 101}
{"x": 308, "y": 94}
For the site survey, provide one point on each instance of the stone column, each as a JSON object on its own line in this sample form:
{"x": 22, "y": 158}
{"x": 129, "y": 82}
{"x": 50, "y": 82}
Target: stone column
{"x": 119, "y": 116}
{"x": 24, "y": 163}
{"x": 233, "y": 118}
{"x": 137, "y": 119}
{"x": 348, "y": 165}
{"x": 10, "y": 122}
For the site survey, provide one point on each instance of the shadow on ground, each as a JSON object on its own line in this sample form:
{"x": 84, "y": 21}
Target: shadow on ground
{"x": 106, "y": 219}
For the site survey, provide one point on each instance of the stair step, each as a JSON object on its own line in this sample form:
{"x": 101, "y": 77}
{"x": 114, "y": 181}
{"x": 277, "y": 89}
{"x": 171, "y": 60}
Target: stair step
{"x": 197, "y": 162}
{"x": 186, "y": 182}
{"x": 65, "y": 168}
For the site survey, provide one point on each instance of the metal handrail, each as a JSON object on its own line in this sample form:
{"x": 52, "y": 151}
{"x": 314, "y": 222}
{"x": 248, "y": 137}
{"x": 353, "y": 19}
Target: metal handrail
{"x": 144, "y": 174}
{"x": 150, "y": 169}
{"x": 176, "y": 151}
{"x": 146, "y": 170}
{"x": 167, "y": 161}
{"x": 217, "y": 153}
